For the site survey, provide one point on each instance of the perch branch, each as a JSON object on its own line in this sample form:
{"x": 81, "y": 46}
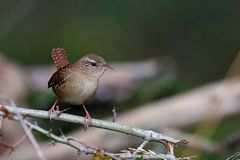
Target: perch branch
{"x": 143, "y": 144}
{"x": 17, "y": 114}
{"x": 28, "y": 132}
{"x": 148, "y": 135}
{"x": 64, "y": 140}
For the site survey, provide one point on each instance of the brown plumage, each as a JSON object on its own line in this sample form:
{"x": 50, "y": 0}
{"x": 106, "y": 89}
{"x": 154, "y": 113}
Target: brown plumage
{"x": 75, "y": 83}
{"x": 59, "y": 76}
{"x": 59, "y": 57}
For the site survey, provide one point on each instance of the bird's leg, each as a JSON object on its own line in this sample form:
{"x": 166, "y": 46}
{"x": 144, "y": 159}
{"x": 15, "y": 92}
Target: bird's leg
{"x": 87, "y": 118}
{"x": 52, "y": 110}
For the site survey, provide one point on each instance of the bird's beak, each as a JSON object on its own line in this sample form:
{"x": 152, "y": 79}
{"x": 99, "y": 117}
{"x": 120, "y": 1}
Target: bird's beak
{"x": 107, "y": 66}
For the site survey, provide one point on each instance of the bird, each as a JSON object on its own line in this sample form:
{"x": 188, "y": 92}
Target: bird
{"x": 74, "y": 83}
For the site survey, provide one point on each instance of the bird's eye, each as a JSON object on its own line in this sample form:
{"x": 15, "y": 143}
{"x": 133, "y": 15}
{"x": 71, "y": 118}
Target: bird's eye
{"x": 94, "y": 64}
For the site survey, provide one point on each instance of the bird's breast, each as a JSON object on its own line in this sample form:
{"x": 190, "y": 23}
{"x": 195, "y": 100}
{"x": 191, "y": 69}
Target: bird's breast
{"x": 76, "y": 90}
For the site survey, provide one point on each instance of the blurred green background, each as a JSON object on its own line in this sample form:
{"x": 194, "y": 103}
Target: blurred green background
{"x": 203, "y": 37}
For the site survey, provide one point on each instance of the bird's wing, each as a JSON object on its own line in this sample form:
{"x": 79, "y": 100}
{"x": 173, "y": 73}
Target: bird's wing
{"x": 59, "y": 56}
{"x": 59, "y": 77}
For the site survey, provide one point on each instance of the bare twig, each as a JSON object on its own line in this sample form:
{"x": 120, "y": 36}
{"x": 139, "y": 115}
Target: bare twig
{"x": 28, "y": 132}
{"x": 235, "y": 156}
{"x": 114, "y": 111}
{"x": 64, "y": 140}
{"x": 148, "y": 135}
{"x": 149, "y": 155}
{"x": 83, "y": 148}
{"x": 143, "y": 144}
{"x": 195, "y": 142}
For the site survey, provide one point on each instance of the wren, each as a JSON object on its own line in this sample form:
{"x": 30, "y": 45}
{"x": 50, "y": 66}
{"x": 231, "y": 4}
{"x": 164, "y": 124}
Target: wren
{"x": 74, "y": 83}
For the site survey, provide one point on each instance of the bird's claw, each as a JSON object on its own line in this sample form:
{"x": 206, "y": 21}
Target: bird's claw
{"x": 87, "y": 121}
{"x": 53, "y": 113}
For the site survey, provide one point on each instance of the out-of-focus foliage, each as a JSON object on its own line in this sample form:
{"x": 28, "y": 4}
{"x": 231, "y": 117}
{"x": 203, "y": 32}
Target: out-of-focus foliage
{"x": 202, "y": 36}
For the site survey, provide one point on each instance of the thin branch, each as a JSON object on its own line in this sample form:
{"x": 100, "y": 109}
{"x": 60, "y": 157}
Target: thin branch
{"x": 143, "y": 144}
{"x": 33, "y": 140}
{"x": 235, "y": 156}
{"x": 142, "y": 133}
{"x": 114, "y": 111}
{"x": 28, "y": 132}
{"x": 83, "y": 148}
{"x": 64, "y": 140}
{"x": 147, "y": 135}
{"x": 147, "y": 155}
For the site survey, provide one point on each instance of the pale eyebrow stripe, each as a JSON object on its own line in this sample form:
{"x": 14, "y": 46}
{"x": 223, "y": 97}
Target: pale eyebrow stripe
{"x": 90, "y": 60}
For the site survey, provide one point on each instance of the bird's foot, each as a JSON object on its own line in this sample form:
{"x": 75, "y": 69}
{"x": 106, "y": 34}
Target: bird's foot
{"x": 53, "y": 112}
{"x": 87, "y": 120}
